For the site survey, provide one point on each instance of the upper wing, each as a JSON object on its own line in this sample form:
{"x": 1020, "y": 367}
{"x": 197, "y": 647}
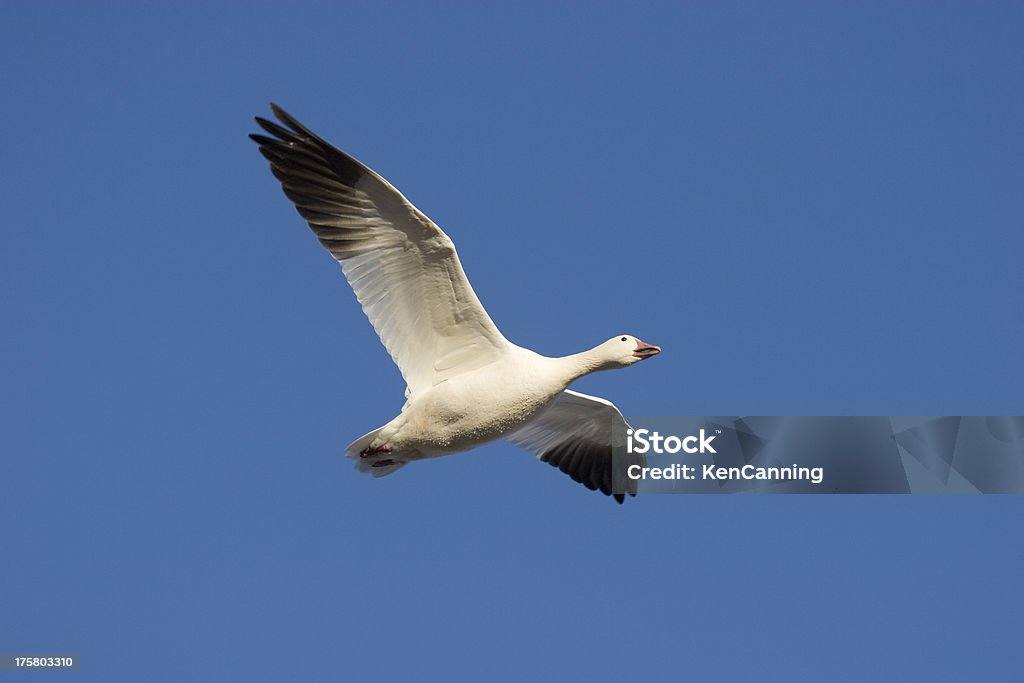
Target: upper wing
{"x": 403, "y": 268}
{"x": 574, "y": 434}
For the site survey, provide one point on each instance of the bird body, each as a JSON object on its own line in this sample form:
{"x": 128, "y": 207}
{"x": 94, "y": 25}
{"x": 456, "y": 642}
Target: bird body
{"x": 467, "y": 385}
{"x": 480, "y": 406}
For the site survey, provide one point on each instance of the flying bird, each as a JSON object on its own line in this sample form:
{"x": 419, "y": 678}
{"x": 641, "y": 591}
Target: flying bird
{"x": 467, "y": 385}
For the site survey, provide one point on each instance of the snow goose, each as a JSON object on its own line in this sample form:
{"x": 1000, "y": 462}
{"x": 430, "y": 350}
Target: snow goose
{"x": 466, "y": 384}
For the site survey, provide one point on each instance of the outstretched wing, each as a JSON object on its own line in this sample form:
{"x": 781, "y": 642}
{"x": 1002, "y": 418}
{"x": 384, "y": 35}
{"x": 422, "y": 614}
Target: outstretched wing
{"x": 403, "y": 268}
{"x": 574, "y": 434}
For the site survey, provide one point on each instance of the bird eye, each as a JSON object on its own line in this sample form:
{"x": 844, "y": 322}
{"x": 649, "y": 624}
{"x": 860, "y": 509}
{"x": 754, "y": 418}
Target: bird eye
{"x": 623, "y": 339}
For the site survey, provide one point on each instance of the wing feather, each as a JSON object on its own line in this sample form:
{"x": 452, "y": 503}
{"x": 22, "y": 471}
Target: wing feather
{"x": 575, "y": 434}
{"x": 403, "y": 268}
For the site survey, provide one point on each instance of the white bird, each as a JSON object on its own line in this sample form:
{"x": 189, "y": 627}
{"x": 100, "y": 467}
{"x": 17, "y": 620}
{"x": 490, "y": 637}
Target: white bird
{"x": 466, "y": 384}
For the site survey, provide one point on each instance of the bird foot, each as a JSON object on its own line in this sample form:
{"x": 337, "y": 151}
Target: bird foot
{"x": 367, "y": 452}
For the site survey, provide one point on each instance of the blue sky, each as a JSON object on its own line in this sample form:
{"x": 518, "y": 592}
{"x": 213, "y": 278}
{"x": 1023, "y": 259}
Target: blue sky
{"x": 814, "y": 208}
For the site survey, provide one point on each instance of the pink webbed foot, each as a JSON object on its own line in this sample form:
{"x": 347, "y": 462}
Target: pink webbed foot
{"x": 371, "y": 451}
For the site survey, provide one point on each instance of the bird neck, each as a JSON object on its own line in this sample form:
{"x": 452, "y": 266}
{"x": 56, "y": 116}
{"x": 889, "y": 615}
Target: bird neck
{"x": 579, "y": 364}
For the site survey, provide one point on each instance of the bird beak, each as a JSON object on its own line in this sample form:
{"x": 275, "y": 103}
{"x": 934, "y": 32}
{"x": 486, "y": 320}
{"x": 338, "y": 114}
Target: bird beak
{"x": 645, "y": 350}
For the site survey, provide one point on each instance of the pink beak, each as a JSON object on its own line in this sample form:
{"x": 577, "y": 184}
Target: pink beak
{"x": 645, "y": 350}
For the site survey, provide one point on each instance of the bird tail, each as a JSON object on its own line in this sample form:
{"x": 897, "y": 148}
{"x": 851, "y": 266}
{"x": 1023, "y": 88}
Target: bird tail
{"x": 375, "y": 464}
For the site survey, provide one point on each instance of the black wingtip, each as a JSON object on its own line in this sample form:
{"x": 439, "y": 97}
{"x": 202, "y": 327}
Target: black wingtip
{"x": 277, "y": 131}
{"x": 619, "y": 498}
{"x": 297, "y": 131}
{"x": 290, "y": 121}
{"x": 298, "y": 139}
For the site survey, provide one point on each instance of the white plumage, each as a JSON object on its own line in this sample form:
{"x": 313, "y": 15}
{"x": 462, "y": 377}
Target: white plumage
{"x": 466, "y": 384}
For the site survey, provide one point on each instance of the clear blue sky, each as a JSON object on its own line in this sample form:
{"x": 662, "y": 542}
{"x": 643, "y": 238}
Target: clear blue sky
{"x": 815, "y": 208}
